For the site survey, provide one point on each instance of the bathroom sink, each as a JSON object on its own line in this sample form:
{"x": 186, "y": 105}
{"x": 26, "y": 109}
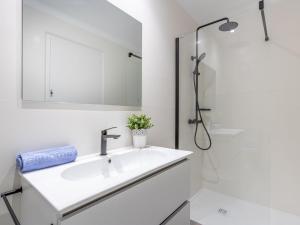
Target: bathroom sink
{"x": 100, "y": 168}
{"x": 114, "y": 165}
{"x": 90, "y": 177}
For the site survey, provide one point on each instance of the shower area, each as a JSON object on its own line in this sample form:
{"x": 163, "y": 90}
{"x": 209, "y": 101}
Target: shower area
{"x": 229, "y": 93}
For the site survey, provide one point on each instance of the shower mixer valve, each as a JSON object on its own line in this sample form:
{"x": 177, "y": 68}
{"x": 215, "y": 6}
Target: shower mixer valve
{"x": 194, "y": 121}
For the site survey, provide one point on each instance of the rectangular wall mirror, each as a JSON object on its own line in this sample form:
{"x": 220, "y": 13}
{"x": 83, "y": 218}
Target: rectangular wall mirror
{"x": 82, "y": 52}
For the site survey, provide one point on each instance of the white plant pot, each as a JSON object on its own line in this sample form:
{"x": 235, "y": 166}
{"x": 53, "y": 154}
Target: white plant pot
{"x": 139, "y": 138}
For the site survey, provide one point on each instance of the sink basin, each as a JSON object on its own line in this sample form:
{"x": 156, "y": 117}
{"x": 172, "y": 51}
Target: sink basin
{"x": 112, "y": 166}
{"x": 100, "y": 168}
{"x": 90, "y": 177}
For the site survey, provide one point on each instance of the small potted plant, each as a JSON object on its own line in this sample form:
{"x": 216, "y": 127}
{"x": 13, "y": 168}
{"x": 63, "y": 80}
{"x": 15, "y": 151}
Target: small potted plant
{"x": 139, "y": 124}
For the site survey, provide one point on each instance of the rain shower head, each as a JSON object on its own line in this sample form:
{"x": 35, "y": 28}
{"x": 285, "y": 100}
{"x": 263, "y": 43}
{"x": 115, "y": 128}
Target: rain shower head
{"x": 228, "y": 26}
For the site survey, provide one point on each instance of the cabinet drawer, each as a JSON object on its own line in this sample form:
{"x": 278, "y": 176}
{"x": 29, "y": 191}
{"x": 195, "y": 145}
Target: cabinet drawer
{"x": 148, "y": 202}
{"x": 180, "y": 217}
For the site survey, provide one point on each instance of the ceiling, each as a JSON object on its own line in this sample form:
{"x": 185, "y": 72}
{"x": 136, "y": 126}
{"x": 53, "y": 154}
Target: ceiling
{"x": 204, "y": 11}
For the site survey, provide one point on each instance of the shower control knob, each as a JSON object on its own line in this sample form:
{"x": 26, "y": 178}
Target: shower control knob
{"x": 193, "y": 58}
{"x": 190, "y": 121}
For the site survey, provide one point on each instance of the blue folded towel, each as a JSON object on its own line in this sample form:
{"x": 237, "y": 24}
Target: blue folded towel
{"x": 36, "y": 160}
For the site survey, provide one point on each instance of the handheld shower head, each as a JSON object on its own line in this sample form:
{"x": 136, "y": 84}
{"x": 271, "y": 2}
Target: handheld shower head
{"x": 198, "y": 61}
{"x": 201, "y": 57}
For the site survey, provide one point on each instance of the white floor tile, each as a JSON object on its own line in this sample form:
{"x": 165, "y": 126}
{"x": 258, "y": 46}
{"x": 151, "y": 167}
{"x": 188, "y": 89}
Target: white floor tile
{"x": 212, "y": 208}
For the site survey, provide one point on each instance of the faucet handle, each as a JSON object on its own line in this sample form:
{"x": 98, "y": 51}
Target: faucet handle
{"x": 105, "y": 131}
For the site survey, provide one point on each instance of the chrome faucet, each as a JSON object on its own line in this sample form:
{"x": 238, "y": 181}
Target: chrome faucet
{"x": 104, "y": 137}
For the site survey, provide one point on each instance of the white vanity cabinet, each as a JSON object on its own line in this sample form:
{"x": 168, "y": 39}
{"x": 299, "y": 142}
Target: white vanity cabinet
{"x": 158, "y": 198}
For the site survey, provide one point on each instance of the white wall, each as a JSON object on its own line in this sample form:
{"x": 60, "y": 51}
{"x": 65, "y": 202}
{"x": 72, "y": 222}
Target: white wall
{"x": 22, "y": 129}
{"x": 257, "y": 90}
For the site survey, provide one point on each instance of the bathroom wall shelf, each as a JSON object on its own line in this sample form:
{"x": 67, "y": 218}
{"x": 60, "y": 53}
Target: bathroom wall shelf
{"x": 226, "y": 132}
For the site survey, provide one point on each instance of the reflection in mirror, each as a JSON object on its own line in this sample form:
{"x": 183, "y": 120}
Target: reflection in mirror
{"x": 81, "y": 51}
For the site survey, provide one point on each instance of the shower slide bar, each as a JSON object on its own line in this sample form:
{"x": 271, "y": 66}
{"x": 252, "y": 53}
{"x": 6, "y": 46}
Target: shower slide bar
{"x": 9, "y": 207}
{"x": 261, "y": 8}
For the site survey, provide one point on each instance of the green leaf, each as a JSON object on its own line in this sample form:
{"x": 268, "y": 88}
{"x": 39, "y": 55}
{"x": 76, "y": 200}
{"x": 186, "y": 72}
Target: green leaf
{"x": 139, "y": 122}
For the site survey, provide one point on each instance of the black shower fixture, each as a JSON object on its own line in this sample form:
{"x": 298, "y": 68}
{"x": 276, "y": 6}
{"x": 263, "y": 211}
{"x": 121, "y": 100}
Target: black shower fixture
{"x": 227, "y": 26}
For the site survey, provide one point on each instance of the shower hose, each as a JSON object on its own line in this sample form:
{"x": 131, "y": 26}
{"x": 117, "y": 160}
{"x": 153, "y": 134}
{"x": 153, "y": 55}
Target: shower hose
{"x": 198, "y": 111}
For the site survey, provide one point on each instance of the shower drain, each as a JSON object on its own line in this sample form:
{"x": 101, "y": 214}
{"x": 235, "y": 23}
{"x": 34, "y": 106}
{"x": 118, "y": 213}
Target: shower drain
{"x": 222, "y": 211}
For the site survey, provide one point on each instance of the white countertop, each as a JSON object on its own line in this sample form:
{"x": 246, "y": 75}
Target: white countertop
{"x": 69, "y": 186}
